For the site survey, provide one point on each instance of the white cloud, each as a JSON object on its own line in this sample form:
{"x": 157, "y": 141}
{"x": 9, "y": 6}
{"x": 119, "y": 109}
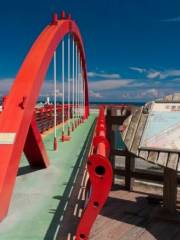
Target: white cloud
{"x": 5, "y": 85}
{"x": 138, "y": 69}
{"x": 95, "y": 94}
{"x": 150, "y": 73}
{"x": 176, "y": 19}
{"x": 47, "y": 88}
{"x": 156, "y": 73}
{"x": 151, "y": 93}
{"x": 170, "y": 73}
{"x": 153, "y": 74}
{"x": 109, "y": 84}
{"x": 103, "y": 75}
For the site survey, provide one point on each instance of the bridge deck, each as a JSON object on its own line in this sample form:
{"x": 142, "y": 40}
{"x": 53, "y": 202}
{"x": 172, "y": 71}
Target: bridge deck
{"x": 131, "y": 216}
{"x": 40, "y": 197}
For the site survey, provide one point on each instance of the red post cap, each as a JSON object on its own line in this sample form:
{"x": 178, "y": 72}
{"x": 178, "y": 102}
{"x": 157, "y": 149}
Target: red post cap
{"x": 54, "y": 19}
{"x": 63, "y": 15}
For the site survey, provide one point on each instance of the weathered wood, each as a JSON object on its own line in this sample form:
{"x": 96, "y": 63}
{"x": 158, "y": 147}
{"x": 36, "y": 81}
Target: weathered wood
{"x": 128, "y": 216}
{"x": 173, "y": 161}
{"x": 129, "y": 168}
{"x": 170, "y": 190}
{"x": 143, "y": 154}
{"x": 138, "y": 135}
{"x": 118, "y": 152}
{"x": 133, "y": 132}
{"x": 132, "y": 128}
{"x": 126, "y": 124}
{"x": 153, "y": 156}
{"x": 143, "y": 174}
{"x": 162, "y": 159}
{"x": 178, "y": 165}
{"x": 112, "y": 156}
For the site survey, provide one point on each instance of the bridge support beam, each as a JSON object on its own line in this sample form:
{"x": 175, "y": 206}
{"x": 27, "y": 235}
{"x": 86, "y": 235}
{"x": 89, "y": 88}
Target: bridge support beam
{"x": 34, "y": 148}
{"x": 15, "y": 120}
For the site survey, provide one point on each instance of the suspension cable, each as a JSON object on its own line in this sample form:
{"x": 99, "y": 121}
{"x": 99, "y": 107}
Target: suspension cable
{"x": 79, "y": 85}
{"x": 84, "y": 96}
{"x": 55, "y": 106}
{"x": 55, "y": 92}
{"x": 81, "y": 91}
{"x": 76, "y": 78}
{"x": 73, "y": 83}
{"x": 69, "y": 80}
{"x": 63, "y": 84}
{"x": 78, "y": 82}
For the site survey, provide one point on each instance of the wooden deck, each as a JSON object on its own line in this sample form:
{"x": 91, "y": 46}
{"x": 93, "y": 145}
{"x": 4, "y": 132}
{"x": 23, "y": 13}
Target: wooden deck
{"x": 126, "y": 215}
{"x": 131, "y": 216}
{"x": 128, "y": 132}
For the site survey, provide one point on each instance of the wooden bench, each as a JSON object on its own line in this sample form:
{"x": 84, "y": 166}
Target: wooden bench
{"x": 133, "y": 127}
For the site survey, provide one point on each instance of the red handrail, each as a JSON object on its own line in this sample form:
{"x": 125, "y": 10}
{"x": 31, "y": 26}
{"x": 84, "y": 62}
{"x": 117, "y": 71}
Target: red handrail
{"x": 100, "y": 174}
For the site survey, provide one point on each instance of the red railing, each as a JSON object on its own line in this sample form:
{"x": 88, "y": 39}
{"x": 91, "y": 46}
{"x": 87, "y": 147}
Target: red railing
{"x": 100, "y": 176}
{"x": 45, "y": 116}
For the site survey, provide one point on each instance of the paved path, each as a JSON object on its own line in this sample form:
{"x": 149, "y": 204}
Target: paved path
{"x": 40, "y": 197}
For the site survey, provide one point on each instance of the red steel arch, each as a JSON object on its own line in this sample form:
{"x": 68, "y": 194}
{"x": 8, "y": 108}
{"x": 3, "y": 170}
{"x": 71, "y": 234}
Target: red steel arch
{"x": 16, "y": 119}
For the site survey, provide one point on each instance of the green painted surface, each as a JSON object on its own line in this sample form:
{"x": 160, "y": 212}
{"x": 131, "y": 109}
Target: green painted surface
{"x": 40, "y": 197}
{"x": 119, "y": 143}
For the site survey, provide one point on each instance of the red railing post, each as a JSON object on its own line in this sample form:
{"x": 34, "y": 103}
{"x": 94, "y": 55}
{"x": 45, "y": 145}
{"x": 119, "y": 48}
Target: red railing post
{"x": 100, "y": 174}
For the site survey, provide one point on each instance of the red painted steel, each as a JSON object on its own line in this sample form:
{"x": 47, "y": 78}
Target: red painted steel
{"x": 34, "y": 148}
{"x": 101, "y": 175}
{"x": 45, "y": 116}
{"x": 16, "y": 118}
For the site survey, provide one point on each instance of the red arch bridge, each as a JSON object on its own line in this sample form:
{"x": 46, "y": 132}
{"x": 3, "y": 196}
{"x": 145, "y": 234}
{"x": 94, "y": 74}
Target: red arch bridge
{"x": 24, "y": 125}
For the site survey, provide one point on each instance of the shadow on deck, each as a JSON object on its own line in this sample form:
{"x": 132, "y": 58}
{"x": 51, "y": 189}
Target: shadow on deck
{"x": 64, "y": 200}
{"x": 130, "y": 216}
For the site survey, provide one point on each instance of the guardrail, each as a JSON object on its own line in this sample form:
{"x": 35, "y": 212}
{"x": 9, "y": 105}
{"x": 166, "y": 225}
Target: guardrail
{"x": 45, "y": 115}
{"x": 100, "y": 178}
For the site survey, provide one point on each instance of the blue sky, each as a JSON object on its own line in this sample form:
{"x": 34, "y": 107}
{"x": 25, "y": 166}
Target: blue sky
{"x": 132, "y": 46}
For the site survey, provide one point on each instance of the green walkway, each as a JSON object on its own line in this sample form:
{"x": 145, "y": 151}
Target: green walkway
{"x": 41, "y": 197}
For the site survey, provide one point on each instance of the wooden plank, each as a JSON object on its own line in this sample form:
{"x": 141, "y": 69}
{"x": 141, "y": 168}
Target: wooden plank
{"x": 132, "y": 128}
{"x": 126, "y": 124}
{"x": 138, "y": 135}
{"x": 158, "y": 229}
{"x": 118, "y": 152}
{"x": 112, "y": 156}
{"x": 173, "y": 161}
{"x": 129, "y": 168}
{"x": 153, "y": 156}
{"x": 143, "y": 154}
{"x": 178, "y": 165}
{"x": 142, "y": 174}
{"x": 170, "y": 190}
{"x": 162, "y": 159}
